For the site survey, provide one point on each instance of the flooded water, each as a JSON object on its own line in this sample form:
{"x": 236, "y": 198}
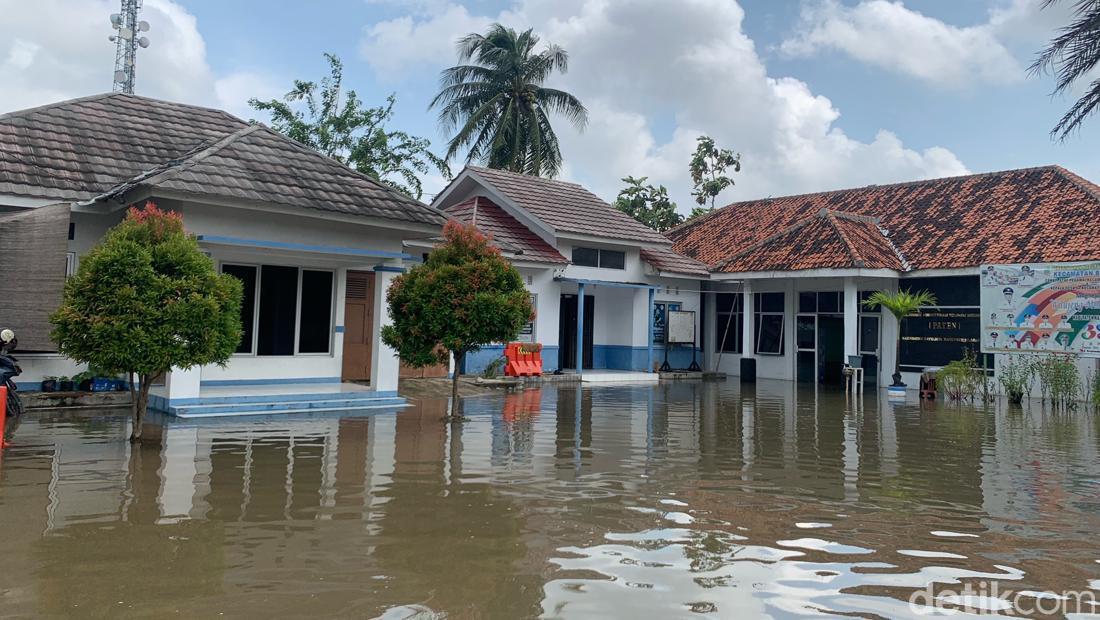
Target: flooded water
{"x": 682, "y": 500}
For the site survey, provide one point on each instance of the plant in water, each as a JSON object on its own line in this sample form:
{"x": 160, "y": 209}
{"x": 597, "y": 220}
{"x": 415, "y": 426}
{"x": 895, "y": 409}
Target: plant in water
{"x": 465, "y": 296}
{"x": 494, "y": 368}
{"x": 1059, "y": 381}
{"x": 146, "y": 300}
{"x": 1016, "y": 376}
{"x": 961, "y": 379}
{"x": 900, "y": 304}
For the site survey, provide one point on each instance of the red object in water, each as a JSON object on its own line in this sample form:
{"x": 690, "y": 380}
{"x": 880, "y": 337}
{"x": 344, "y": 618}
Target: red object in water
{"x": 3, "y": 414}
{"x": 523, "y": 360}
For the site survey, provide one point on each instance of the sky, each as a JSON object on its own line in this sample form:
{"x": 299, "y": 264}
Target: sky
{"x": 814, "y": 94}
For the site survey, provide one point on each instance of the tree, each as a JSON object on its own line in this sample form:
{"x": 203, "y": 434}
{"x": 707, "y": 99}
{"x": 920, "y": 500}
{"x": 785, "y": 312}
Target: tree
{"x": 464, "y": 296}
{"x": 145, "y": 300}
{"x": 500, "y": 108}
{"x": 900, "y": 304}
{"x": 1072, "y": 55}
{"x": 708, "y": 173}
{"x": 352, "y": 134}
{"x": 648, "y": 204}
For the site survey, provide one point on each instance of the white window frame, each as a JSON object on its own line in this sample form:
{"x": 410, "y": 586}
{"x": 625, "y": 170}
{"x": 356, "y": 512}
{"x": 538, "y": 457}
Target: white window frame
{"x": 297, "y": 310}
{"x": 70, "y": 264}
{"x": 298, "y": 316}
{"x": 759, "y": 324}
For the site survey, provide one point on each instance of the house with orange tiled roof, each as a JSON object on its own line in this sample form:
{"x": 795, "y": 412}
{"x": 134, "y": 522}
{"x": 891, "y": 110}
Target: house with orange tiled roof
{"x": 602, "y": 284}
{"x": 788, "y": 274}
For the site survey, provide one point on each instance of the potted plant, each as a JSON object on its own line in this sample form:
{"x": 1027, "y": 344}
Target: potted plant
{"x": 900, "y": 304}
{"x": 66, "y": 384}
{"x": 49, "y": 384}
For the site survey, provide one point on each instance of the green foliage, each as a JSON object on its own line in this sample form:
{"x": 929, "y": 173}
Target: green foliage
{"x": 337, "y": 125}
{"x": 465, "y": 296}
{"x": 145, "y": 300}
{"x": 494, "y": 368}
{"x": 1059, "y": 382}
{"x": 1072, "y": 56}
{"x": 498, "y": 105}
{"x": 902, "y": 303}
{"x": 1016, "y": 376}
{"x": 648, "y": 204}
{"x": 1096, "y": 390}
{"x": 708, "y": 172}
{"x": 961, "y": 379}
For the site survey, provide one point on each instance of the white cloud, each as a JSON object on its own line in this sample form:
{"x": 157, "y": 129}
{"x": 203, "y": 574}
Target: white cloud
{"x": 395, "y": 47}
{"x": 688, "y": 65}
{"x": 893, "y": 37}
{"x": 58, "y": 49}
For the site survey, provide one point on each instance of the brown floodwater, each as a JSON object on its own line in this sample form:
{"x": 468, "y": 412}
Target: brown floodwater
{"x": 682, "y": 500}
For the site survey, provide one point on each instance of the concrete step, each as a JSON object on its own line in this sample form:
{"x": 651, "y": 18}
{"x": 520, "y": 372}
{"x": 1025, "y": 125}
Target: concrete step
{"x": 358, "y": 408}
{"x": 284, "y": 406}
{"x": 335, "y": 394}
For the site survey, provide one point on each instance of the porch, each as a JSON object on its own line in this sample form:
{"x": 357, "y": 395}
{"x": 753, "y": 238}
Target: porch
{"x": 220, "y": 400}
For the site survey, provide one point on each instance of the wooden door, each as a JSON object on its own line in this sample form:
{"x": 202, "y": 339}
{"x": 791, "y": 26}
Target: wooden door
{"x": 358, "y": 325}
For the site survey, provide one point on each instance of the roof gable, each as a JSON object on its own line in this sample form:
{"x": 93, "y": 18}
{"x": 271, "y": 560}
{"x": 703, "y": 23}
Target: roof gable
{"x": 1015, "y": 216}
{"x": 566, "y": 207}
{"x": 505, "y": 231}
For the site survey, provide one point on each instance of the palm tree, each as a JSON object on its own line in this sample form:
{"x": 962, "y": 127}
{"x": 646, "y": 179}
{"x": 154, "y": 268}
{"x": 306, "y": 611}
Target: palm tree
{"x": 498, "y": 105}
{"x": 900, "y": 304}
{"x": 1072, "y": 54}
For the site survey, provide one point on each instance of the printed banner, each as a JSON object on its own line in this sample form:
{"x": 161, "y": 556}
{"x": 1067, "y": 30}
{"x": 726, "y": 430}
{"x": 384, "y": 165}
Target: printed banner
{"x": 1041, "y": 308}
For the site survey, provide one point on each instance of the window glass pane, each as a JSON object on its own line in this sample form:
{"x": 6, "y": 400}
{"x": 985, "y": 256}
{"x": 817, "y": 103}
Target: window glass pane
{"x": 864, "y": 296}
{"x": 828, "y": 302}
{"x": 807, "y": 302}
{"x": 315, "y": 323}
{"x": 807, "y": 332}
{"x": 727, "y": 302}
{"x": 247, "y": 276}
{"x": 769, "y": 334}
{"x": 278, "y": 310}
{"x": 770, "y": 302}
{"x": 586, "y": 257}
{"x": 728, "y": 332}
{"x": 868, "y": 334}
{"x": 612, "y": 259}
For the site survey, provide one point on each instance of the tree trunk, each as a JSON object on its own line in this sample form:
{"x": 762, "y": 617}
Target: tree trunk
{"x": 455, "y": 413}
{"x": 141, "y": 404}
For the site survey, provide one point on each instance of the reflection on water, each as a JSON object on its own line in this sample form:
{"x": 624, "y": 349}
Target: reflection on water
{"x": 679, "y": 500}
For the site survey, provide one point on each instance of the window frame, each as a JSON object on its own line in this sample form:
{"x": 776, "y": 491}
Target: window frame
{"x": 599, "y": 257}
{"x": 298, "y": 317}
{"x": 758, "y": 323}
{"x": 737, "y": 324}
{"x": 255, "y": 304}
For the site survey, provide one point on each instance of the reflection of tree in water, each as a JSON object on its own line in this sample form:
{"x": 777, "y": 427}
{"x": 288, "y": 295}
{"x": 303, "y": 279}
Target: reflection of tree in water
{"x": 86, "y": 569}
{"x": 452, "y": 545}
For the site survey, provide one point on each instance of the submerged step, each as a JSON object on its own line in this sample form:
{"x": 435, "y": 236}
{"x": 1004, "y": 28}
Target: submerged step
{"x": 358, "y": 408}
{"x": 225, "y": 408}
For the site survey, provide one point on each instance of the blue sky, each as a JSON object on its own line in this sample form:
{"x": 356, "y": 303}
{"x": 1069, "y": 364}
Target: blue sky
{"x": 817, "y": 94}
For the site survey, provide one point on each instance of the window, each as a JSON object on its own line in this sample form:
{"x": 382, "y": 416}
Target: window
{"x": 660, "y": 319}
{"x": 70, "y": 263}
{"x": 769, "y": 323}
{"x": 284, "y": 310}
{"x": 868, "y": 334}
{"x": 729, "y": 322}
{"x": 938, "y": 335}
{"x": 592, "y": 257}
{"x": 828, "y": 302}
{"x": 315, "y": 318}
{"x": 527, "y": 334}
{"x": 247, "y": 276}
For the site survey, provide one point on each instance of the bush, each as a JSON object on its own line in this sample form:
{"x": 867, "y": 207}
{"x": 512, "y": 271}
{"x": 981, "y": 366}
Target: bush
{"x": 1059, "y": 381}
{"x": 1016, "y": 377}
{"x": 961, "y": 379}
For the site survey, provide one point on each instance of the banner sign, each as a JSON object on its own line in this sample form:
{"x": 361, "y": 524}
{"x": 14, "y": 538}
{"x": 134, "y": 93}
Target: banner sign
{"x": 1041, "y": 308}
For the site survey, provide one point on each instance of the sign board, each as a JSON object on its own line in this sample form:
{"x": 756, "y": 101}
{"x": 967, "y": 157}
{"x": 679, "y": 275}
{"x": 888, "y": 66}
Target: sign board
{"x": 1041, "y": 308}
{"x": 681, "y": 327}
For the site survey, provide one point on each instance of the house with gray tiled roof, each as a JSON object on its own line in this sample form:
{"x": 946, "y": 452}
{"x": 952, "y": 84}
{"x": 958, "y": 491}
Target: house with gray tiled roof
{"x": 315, "y": 242}
{"x": 581, "y": 257}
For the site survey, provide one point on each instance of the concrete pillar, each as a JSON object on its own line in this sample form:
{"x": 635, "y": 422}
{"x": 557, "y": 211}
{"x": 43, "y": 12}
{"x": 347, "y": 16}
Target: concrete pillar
{"x": 180, "y": 383}
{"x": 748, "y": 332}
{"x": 385, "y": 365}
{"x": 712, "y": 333}
{"x": 649, "y": 331}
{"x": 580, "y": 328}
{"x": 851, "y": 317}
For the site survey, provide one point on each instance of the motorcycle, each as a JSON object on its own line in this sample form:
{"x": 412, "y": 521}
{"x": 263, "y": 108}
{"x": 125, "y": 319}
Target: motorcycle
{"x": 9, "y": 369}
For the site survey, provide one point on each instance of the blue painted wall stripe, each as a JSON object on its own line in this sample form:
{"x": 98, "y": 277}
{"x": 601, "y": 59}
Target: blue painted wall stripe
{"x": 285, "y": 245}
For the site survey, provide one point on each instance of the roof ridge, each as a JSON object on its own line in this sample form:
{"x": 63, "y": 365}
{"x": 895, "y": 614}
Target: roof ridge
{"x": 527, "y": 176}
{"x": 853, "y": 251}
{"x": 1081, "y": 182}
{"x": 789, "y": 229}
{"x": 905, "y": 266}
{"x": 56, "y": 104}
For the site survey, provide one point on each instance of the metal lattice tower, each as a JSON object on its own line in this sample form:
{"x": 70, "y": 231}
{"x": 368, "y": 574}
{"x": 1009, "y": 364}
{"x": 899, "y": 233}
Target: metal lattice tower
{"x": 127, "y": 41}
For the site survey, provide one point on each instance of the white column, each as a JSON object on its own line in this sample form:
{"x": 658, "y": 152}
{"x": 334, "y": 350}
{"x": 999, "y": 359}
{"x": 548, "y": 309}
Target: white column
{"x": 748, "y": 331}
{"x": 182, "y": 383}
{"x": 851, "y": 317}
{"x": 385, "y": 365}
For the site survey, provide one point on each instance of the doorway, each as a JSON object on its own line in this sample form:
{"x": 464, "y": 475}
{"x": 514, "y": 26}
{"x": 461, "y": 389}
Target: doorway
{"x": 830, "y": 349}
{"x": 358, "y": 326}
{"x": 567, "y": 331}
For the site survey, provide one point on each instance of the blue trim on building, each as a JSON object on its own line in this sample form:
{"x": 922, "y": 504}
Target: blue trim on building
{"x": 389, "y": 268}
{"x": 339, "y": 329}
{"x": 604, "y": 357}
{"x": 302, "y": 247}
{"x": 582, "y": 282}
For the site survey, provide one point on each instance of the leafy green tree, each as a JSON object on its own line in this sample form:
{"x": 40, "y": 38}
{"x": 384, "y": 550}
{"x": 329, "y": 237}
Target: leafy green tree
{"x": 465, "y": 296}
{"x": 1072, "y": 55}
{"x": 146, "y": 300}
{"x": 498, "y": 105}
{"x": 338, "y": 125}
{"x": 648, "y": 204}
{"x": 900, "y": 304}
{"x": 708, "y": 173}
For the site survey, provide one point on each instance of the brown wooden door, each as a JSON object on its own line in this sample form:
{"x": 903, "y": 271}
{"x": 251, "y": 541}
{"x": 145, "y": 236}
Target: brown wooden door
{"x": 358, "y": 325}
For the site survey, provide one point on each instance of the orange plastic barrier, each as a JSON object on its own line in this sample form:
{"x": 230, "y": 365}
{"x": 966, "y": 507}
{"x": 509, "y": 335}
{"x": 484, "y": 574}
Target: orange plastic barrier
{"x": 524, "y": 360}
